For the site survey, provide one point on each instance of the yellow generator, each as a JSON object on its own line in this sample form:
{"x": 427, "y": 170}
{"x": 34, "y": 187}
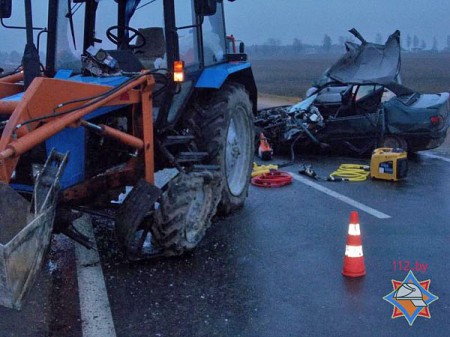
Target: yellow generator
{"x": 389, "y": 164}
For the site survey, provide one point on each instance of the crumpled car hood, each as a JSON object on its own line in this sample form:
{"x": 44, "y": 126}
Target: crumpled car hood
{"x": 368, "y": 62}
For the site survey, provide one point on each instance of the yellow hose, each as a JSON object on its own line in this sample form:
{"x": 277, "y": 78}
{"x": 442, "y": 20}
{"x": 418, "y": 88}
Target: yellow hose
{"x": 261, "y": 169}
{"x": 352, "y": 172}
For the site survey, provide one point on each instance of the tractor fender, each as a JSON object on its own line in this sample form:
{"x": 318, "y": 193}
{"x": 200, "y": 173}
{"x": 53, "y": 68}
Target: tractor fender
{"x": 214, "y": 77}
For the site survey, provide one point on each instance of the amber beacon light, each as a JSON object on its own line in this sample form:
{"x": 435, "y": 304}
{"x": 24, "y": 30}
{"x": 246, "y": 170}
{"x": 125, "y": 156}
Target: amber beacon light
{"x": 178, "y": 71}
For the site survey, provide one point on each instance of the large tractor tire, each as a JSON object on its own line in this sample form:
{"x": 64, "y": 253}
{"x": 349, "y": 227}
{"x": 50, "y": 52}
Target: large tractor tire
{"x": 224, "y": 123}
{"x": 185, "y": 211}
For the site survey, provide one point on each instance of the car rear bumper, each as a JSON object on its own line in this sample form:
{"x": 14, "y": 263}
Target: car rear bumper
{"x": 426, "y": 141}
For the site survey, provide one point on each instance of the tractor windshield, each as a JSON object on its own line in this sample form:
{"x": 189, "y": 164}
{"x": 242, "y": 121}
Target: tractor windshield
{"x": 136, "y": 28}
{"x": 139, "y": 27}
{"x": 69, "y": 36}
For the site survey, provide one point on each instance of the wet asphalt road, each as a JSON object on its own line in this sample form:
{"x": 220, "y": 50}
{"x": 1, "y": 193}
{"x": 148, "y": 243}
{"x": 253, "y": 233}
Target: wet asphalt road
{"x": 271, "y": 269}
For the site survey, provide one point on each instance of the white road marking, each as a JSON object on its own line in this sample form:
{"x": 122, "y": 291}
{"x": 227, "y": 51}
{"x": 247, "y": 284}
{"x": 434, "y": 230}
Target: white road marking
{"x": 341, "y": 197}
{"x": 96, "y": 317}
{"x": 430, "y": 155}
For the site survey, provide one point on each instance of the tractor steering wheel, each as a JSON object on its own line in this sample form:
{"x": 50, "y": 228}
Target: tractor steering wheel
{"x": 115, "y": 39}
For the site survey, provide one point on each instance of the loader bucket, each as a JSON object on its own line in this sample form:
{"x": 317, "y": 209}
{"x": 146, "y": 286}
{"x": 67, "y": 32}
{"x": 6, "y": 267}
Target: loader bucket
{"x": 25, "y": 232}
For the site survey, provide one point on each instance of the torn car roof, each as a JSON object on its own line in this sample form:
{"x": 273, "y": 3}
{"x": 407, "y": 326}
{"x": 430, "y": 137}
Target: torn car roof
{"x": 367, "y": 62}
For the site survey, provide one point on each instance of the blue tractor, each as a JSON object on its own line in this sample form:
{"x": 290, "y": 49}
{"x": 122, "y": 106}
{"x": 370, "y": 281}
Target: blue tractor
{"x": 111, "y": 93}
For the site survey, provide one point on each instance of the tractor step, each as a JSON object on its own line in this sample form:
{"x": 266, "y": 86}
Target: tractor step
{"x": 199, "y": 168}
{"x": 185, "y": 157}
{"x": 176, "y": 140}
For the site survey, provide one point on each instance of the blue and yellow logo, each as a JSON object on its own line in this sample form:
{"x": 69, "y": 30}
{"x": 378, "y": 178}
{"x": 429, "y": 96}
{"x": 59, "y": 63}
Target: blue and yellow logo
{"x": 411, "y": 298}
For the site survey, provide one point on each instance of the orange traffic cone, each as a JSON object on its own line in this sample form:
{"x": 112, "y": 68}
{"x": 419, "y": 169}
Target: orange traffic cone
{"x": 264, "y": 151}
{"x": 354, "y": 257}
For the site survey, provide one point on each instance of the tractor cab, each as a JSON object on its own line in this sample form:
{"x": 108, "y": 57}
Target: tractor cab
{"x": 139, "y": 35}
{"x": 174, "y": 39}
{"x": 171, "y": 38}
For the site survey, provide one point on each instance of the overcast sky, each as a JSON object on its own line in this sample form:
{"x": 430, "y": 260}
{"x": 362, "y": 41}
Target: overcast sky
{"x": 254, "y": 21}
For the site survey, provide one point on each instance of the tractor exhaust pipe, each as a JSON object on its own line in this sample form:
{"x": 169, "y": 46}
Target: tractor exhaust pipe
{"x": 30, "y": 60}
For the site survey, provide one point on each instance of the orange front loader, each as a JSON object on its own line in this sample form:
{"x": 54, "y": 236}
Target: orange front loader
{"x": 31, "y": 118}
{"x": 50, "y": 105}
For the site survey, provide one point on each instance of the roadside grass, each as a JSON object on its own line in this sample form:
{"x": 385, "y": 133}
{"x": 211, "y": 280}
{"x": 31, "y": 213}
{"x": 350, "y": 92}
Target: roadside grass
{"x": 428, "y": 73}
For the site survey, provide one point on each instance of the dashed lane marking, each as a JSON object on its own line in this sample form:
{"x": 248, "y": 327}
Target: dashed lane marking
{"x": 343, "y": 198}
{"x": 96, "y": 317}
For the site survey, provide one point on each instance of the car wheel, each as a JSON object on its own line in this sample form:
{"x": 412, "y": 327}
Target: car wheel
{"x": 394, "y": 142}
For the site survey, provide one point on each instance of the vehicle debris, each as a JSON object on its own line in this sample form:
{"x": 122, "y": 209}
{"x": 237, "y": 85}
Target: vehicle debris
{"x": 360, "y": 103}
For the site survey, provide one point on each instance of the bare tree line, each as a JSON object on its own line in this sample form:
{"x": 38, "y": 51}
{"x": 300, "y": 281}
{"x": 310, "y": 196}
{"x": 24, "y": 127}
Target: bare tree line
{"x": 273, "y": 46}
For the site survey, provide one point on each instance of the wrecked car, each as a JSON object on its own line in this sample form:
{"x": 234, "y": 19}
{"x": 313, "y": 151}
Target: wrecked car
{"x": 360, "y": 102}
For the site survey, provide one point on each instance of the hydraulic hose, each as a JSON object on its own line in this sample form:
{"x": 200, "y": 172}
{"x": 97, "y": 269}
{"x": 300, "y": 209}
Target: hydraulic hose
{"x": 350, "y": 172}
{"x": 262, "y": 169}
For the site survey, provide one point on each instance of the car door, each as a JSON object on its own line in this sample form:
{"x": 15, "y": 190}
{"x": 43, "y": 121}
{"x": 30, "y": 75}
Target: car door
{"x": 359, "y": 115}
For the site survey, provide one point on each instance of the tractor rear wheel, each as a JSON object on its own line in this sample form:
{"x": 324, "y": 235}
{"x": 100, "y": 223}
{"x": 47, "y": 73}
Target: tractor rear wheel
{"x": 224, "y": 125}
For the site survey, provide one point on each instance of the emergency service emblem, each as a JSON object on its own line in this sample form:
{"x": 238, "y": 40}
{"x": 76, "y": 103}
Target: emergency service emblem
{"x": 411, "y": 298}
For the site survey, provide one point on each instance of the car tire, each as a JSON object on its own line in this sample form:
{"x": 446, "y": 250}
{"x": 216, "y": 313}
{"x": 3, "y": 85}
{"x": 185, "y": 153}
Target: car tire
{"x": 394, "y": 142}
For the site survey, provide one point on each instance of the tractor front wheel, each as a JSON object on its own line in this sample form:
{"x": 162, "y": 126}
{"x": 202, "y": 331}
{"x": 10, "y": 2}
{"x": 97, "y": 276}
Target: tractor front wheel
{"x": 184, "y": 213}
